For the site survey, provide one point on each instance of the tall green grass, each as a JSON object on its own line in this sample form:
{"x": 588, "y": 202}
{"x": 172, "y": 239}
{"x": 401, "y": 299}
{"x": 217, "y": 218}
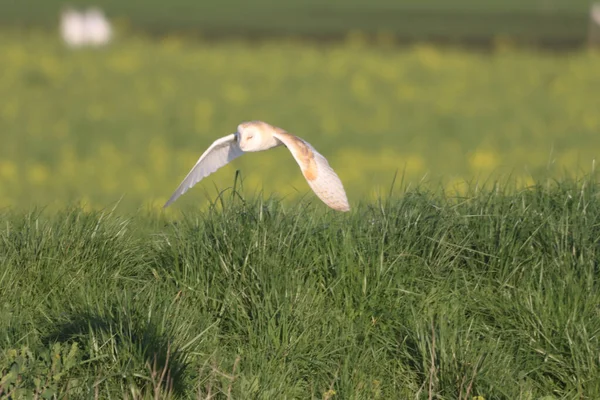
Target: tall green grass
{"x": 423, "y": 295}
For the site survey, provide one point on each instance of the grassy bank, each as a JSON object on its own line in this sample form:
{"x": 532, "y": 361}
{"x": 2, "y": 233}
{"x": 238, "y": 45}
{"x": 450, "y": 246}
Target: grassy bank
{"x": 493, "y": 294}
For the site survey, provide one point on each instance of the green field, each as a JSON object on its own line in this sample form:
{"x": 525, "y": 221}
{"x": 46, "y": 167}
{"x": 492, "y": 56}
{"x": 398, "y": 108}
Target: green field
{"x": 126, "y": 123}
{"x": 423, "y": 296}
{"x": 533, "y": 20}
{"x": 466, "y": 269}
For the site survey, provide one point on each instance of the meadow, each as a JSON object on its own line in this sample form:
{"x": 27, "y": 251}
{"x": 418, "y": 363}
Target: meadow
{"x": 126, "y": 123}
{"x": 466, "y": 269}
{"x": 490, "y": 295}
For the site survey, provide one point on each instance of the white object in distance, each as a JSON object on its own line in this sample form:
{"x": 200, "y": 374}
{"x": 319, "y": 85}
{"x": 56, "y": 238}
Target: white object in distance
{"x": 595, "y": 13}
{"x": 258, "y": 136}
{"x": 72, "y": 28}
{"x": 97, "y": 28}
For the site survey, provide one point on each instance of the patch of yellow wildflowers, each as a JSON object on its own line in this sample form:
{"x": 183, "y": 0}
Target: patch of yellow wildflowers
{"x": 127, "y": 122}
{"x": 37, "y": 174}
{"x": 8, "y": 171}
{"x": 483, "y": 160}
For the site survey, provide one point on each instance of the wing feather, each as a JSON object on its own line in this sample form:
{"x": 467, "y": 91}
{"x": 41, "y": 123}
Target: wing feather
{"x": 321, "y": 178}
{"x": 221, "y": 152}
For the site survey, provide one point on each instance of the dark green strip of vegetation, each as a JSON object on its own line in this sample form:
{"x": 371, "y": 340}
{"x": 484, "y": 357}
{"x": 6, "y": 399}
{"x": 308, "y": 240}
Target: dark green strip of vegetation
{"x": 552, "y": 20}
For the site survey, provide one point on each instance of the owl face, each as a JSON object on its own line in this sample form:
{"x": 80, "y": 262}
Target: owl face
{"x": 255, "y": 136}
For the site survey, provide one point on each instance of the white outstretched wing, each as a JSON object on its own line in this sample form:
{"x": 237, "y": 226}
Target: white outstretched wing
{"x": 315, "y": 168}
{"x": 217, "y": 155}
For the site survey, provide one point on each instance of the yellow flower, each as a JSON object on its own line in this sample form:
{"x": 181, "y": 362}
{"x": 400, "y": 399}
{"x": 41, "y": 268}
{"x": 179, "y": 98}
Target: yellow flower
{"x": 483, "y": 160}
{"x": 429, "y": 56}
{"x": 8, "y": 170}
{"x": 37, "y": 174}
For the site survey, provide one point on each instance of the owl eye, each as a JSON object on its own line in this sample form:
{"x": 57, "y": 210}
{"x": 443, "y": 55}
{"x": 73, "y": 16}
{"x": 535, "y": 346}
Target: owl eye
{"x": 250, "y": 136}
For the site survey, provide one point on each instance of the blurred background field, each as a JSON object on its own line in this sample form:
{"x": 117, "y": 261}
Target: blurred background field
{"x": 129, "y": 120}
{"x": 423, "y": 295}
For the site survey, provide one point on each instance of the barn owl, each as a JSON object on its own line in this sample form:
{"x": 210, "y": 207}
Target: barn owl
{"x": 259, "y": 136}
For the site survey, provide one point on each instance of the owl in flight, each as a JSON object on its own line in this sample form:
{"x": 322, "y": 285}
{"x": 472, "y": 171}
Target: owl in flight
{"x": 258, "y": 136}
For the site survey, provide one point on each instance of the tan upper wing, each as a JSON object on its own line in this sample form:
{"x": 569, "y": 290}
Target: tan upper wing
{"x": 315, "y": 168}
{"x": 217, "y": 155}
